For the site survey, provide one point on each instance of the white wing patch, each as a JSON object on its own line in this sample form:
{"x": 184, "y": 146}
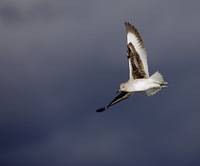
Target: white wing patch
{"x": 134, "y": 38}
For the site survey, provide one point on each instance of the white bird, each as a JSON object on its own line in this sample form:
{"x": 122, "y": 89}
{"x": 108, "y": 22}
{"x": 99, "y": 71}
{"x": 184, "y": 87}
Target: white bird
{"x": 139, "y": 79}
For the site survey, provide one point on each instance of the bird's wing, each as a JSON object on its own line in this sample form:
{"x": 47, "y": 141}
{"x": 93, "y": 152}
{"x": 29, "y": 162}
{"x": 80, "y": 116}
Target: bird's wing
{"x": 123, "y": 95}
{"x": 136, "y": 67}
{"x": 136, "y": 46}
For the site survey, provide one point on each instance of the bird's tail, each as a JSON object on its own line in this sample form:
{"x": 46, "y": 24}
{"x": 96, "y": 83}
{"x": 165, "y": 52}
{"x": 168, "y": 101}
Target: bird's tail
{"x": 158, "y": 78}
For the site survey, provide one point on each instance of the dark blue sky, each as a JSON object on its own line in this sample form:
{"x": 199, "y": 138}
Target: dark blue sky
{"x": 63, "y": 59}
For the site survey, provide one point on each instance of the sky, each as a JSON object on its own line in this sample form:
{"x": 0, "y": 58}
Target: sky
{"x": 62, "y": 59}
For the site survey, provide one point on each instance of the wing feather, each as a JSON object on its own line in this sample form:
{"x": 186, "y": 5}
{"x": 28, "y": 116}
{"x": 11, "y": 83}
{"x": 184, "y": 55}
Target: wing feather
{"x": 136, "y": 68}
{"x": 134, "y": 38}
{"x": 123, "y": 95}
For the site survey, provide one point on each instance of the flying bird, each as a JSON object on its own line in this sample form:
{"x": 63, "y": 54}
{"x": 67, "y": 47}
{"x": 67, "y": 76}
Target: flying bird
{"x": 139, "y": 80}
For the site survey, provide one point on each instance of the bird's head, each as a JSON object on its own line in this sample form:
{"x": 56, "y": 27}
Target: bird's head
{"x": 122, "y": 87}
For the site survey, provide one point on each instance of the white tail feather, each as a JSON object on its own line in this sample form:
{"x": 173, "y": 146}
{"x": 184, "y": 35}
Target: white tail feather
{"x": 157, "y": 77}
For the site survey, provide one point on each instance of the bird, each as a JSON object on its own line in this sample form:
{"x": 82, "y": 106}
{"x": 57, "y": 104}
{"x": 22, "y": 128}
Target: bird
{"x": 139, "y": 79}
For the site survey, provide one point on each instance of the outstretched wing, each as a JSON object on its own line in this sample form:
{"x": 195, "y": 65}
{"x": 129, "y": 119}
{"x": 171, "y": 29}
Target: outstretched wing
{"x": 123, "y": 95}
{"x": 136, "y": 67}
{"x": 136, "y": 53}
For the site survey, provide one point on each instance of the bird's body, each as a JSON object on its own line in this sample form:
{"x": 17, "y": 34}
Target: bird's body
{"x": 139, "y": 80}
{"x": 140, "y": 85}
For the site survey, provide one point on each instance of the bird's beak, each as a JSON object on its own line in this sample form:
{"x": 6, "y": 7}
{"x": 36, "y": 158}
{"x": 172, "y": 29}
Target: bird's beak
{"x": 118, "y": 91}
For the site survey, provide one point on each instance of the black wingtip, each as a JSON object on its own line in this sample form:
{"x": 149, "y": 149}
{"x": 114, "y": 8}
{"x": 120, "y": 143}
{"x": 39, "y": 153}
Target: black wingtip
{"x": 101, "y": 109}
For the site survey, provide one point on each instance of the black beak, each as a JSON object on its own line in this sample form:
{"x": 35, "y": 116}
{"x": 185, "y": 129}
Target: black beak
{"x": 118, "y": 91}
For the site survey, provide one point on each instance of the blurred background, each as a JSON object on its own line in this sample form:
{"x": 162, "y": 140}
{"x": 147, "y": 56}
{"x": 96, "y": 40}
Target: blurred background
{"x": 60, "y": 60}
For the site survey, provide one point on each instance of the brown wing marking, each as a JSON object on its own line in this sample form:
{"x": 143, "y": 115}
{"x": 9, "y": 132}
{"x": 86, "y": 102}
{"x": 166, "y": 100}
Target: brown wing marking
{"x": 136, "y": 63}
{"x": 131, "y": 29}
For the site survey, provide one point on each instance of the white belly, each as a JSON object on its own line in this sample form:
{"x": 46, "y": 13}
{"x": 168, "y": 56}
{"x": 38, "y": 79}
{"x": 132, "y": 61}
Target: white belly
{"x": 142, "y": 85}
